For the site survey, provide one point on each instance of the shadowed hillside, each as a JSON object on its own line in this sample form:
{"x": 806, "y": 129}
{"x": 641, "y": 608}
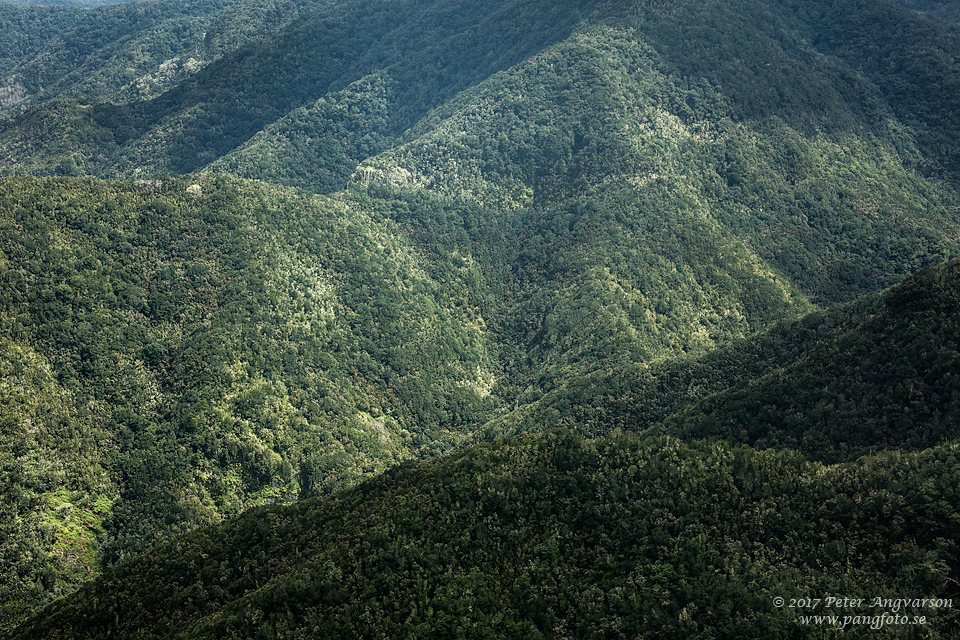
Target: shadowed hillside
{"x": 551, "y": 536}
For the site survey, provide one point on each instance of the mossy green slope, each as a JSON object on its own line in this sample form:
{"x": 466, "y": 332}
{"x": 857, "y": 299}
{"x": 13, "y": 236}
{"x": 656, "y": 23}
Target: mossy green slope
{"x": 55, "y": 492}
{"x": 179, "y": 350}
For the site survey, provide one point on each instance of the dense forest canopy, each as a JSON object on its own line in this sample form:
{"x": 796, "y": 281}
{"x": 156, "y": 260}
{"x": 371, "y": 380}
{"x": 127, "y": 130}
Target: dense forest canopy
{"x": 503, "y": 319}
{"x": 554, "y": 536}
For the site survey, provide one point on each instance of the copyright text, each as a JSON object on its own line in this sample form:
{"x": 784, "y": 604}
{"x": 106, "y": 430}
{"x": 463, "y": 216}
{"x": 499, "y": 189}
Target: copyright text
{"x": 886, "y": 611}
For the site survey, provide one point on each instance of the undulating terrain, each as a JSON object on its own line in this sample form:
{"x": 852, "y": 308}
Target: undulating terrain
{"x": 523, "y": 318}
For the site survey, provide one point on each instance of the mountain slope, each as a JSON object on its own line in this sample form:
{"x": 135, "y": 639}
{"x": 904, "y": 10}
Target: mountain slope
{"x": 834, "y": 385}
{"x": 221, "y": 345}
{"x": 588, "y": 125}
{"x": 552, "y": 536}
{"x": 119, "y": 52}
{"x": 26, "y": 29}
{"x": 534, "y": 214}
{"x": 179, "y": 350}
{"x": 135, "y": 51}
{"x": 937, "y": 8}
{"x": 250, "y": 20}
{"x": 624, "y": 234}
{"x": 434, "y": 49}
{"x": 816, "y": 179}
{"x": 888, "y": 383}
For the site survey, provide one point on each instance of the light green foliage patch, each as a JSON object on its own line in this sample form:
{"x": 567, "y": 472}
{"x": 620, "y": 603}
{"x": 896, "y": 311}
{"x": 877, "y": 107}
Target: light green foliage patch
{"x": 55, "y": 493}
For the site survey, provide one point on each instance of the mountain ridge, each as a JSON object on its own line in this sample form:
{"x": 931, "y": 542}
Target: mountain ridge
{"x": 719, "y": 224}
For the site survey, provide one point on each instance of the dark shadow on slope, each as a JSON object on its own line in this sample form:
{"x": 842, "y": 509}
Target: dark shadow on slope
{"x": 434, "y": 49}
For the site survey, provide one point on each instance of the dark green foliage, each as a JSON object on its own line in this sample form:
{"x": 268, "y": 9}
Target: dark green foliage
{"x": 319, "y": 147}
{"x": 910, "y": 60}
{"x": 641, "y": 395}
{"x": 431, "y": 49}
{"x": 243, "y": 22}
{"x": 552, "y": 536}
{"x": 25, "y": 30}
{"x": 120, "y": 51}
{"x": 51, "y": 128}
{"x": 835, "y": 385}
{"x": 945, "y": 10}
{"x": 224, "y": 345}
{"x": 890, "y": 382}
{"x": 588, "y": 215}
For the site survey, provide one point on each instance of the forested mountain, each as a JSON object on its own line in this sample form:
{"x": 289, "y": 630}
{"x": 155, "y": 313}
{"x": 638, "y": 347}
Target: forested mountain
{"x": 119, "y": 52}
{"x": 946, "y": 10}
{"x": 887, "y": 383}
{"x": 554, "y": 536}
{"x": 68, "y": 3}
{"x": 25, "y": 30}
{"x": 259, "y": 252}
{"x": 126, "y": 52}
